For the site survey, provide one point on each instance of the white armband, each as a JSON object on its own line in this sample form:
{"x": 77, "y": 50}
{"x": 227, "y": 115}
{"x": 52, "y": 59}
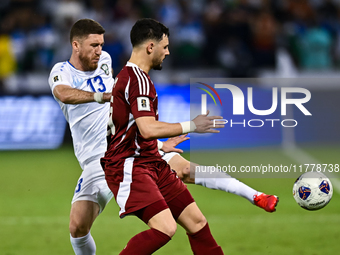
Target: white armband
{"x": 159, "y": 144}
{"x": 188, "y": 126}
{"x": 98, "y": 97}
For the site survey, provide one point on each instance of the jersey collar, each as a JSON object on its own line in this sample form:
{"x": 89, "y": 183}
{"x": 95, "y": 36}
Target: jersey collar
{"x": 132, "y": 65}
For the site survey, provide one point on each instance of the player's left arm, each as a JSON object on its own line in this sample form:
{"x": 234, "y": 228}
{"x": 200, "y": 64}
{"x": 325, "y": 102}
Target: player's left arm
{"x": 170, "y": 144}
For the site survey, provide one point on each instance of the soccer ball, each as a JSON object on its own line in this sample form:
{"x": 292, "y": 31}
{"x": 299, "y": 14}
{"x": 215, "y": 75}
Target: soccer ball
{"x": 312, "y": 190}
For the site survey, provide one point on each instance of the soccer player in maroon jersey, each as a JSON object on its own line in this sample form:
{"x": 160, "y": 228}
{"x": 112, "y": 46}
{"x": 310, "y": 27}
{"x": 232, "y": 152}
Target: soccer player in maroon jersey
{"x": 77, "y": 101}
{"x": 142, "y": 182}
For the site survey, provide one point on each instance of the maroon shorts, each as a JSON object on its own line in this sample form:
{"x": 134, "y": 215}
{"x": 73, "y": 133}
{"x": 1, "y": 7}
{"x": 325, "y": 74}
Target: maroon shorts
{"x": 137, "y": 185}
{"x": 176, "y": 206}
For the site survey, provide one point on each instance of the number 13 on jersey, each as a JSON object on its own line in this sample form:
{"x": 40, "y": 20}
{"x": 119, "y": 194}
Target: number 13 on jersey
{"x": 97, "y": 82}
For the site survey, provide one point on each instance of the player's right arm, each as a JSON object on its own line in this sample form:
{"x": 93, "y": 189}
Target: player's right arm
{"x": 140, "y": 94}
{"x": 62, "y": 85}
{"x": 69, "y": 95}
{"x": 150, "y": 128}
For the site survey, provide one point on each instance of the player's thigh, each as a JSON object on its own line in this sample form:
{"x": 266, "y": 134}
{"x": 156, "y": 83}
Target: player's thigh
{"x": 90, "y": 198}
{"x": 92, "y": 186}
{"x": 178, "y": 164}
{"x": 164, "y": 222}
{"x": 185, "y": 169}
{"x": 82, "y": 215}
{"x": 192, "y": 219}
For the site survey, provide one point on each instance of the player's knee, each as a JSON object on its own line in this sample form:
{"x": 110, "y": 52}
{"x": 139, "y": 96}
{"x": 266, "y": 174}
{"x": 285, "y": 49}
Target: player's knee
{"x": 186, "y": 170}
{"x": 78, "y": 229}
{"x": 186, "y": 173}
{"x": 171, "y": 229}
{"x": 200, "y": 221}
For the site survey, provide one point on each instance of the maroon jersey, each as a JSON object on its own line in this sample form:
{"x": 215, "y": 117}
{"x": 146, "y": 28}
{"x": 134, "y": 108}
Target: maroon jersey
{"x": 134, "y": 170}
{"x": 134, "y": 96}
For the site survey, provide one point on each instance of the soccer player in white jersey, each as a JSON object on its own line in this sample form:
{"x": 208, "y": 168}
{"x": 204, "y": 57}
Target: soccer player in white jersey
{"x": 81, "y": 86}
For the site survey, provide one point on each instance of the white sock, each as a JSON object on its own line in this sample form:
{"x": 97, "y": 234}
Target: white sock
{"x": 84, "y": 245}
{"x": 223, "y": 181}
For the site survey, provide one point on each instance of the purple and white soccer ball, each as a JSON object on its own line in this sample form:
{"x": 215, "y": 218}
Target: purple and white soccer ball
{"x": 312, "y": 190}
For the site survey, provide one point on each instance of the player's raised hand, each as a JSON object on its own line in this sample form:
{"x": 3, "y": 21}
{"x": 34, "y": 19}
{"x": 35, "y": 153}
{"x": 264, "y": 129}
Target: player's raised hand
{"x": 208, "y": 124}
{"x": 170, "y": 144}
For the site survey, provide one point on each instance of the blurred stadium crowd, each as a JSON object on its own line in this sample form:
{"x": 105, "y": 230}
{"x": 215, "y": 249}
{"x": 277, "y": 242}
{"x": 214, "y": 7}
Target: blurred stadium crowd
{"x": 238, "y": 37}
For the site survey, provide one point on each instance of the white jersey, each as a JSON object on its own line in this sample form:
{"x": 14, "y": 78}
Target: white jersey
{"x": 88, "y": 122}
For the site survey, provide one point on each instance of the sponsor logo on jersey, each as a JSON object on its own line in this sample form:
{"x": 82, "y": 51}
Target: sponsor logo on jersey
{"x": 105, "y": 68}
{"x": 56, "y": 78}
{"x": 143, "y": 103}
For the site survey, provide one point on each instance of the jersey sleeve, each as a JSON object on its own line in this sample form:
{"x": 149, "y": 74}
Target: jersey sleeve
{"x": 107, "y": 59}
{"x": 141, "y": 102}
{"x": 59, "y": 76}
{"x": 106, "y": 66}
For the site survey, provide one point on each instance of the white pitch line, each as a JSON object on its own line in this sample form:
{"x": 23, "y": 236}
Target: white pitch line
{"x": 302, "y": 157}
{"x": 33, "y": 220}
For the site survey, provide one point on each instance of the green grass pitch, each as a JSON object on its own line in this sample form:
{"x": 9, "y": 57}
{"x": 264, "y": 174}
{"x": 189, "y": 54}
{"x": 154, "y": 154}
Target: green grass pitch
{"x": 37, "y": 187}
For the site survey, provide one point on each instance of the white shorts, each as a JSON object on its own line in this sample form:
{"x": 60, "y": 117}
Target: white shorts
{"x": 92, "y": 186}
{"x": 167, "y": 155}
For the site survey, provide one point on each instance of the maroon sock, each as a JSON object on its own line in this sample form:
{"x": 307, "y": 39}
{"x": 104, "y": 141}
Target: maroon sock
{"x": 145, "y": 243}
{"x": 202, "y": 242}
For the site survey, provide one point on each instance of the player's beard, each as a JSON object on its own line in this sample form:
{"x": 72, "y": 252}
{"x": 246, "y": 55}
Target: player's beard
{"x": 86, "y": 62}
{"x": 157, "y": 64}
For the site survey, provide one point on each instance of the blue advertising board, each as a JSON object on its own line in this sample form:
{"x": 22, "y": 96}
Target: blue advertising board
{"x": 30, "y": 123}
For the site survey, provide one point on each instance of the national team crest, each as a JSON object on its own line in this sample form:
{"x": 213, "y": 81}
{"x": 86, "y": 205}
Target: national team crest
{"x": 105, "y": 68}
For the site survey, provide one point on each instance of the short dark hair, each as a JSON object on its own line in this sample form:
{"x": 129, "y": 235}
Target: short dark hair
{"x": 145, "y": 29}
{"x": 84, "y": 27}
